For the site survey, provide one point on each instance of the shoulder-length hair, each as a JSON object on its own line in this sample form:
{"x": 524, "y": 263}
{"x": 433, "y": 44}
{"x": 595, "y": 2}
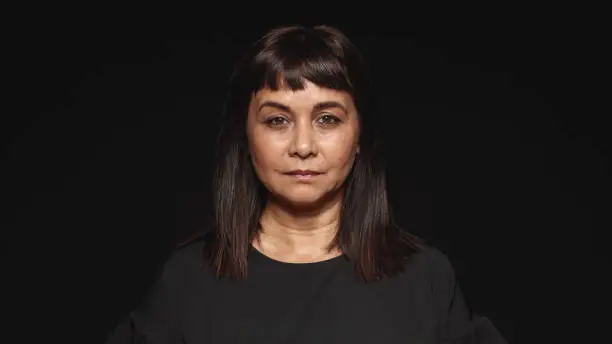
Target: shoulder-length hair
{"x": 367, "y": 235}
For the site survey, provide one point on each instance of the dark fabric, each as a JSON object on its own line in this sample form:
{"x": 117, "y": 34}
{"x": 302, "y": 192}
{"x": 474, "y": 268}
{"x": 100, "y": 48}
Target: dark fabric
{"x": 304, "y": 303}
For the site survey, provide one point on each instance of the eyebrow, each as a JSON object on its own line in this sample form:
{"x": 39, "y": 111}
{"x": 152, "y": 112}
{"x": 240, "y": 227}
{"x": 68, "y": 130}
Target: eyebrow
{"x": 318, "y": 106}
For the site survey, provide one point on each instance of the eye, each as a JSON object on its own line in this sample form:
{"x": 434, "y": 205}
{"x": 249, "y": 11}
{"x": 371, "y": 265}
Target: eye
{"x": 276, "y": 121}
{"x": 329, "y": 120}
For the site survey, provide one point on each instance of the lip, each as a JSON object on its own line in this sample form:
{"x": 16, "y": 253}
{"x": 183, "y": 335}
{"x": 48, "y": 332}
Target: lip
{"x": 303, "y": 173}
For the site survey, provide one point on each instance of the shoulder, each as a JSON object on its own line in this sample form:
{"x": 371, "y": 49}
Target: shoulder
{"x": 435, "y": 266}
{"x": 436, "y": 260}
{"x": 159, "y": 313}
{"x": 185, "y": 258}
{"x": 175, "y": 279}
{"x": 430, "y": 257}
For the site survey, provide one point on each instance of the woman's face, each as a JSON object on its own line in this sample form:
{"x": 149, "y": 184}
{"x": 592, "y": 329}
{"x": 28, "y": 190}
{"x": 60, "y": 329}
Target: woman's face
{"x": 302, "y": 143}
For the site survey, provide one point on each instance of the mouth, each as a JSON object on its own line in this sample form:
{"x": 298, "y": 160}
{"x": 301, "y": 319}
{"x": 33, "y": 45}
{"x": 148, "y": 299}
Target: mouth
{"x": 303, "y": 174}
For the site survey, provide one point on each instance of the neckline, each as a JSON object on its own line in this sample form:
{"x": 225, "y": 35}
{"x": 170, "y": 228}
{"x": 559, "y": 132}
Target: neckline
{"x": 271, "y": 260}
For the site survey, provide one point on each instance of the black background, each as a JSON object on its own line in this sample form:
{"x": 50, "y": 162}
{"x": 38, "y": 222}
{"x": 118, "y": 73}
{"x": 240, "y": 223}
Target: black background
{"x": 109, "y": 151}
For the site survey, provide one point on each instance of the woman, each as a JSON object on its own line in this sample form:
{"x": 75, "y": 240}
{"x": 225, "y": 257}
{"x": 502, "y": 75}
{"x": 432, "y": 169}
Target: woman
{"x": 303, "y": 248}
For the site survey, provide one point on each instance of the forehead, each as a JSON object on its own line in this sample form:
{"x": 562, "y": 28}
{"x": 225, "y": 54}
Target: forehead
{"x": 309, "y": 95}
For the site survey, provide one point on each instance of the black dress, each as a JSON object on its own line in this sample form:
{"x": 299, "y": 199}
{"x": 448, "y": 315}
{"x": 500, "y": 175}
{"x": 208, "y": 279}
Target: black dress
{"x": 304, "y": 303}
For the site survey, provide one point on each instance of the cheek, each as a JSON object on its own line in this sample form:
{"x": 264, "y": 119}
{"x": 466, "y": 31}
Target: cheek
{"x": 340, "y": 151}
{"x": 266, "y": 153}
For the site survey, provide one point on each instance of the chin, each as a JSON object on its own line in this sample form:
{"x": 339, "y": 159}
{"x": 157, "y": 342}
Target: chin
{"x": 307, "y": 200}
{"x": 303, "y": 200}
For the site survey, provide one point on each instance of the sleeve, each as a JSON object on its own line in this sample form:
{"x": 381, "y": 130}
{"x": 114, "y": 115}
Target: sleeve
{"x": 155, "y": 320}
{"x": 457, "y": 324}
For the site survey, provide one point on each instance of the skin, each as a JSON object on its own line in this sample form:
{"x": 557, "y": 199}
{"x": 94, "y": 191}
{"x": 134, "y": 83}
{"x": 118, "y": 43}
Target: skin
{"x": 311, "y": 129}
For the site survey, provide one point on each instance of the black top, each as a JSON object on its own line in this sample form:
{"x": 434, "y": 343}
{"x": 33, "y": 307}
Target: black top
{"x": 318, "y": 302}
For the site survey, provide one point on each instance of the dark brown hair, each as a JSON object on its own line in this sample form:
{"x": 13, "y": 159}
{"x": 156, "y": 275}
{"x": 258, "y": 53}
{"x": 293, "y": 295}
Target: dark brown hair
{"x": 367, "y": 236}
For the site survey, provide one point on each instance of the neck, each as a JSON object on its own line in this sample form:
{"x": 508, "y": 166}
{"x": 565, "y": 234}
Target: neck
{"x": 291, "y": 232}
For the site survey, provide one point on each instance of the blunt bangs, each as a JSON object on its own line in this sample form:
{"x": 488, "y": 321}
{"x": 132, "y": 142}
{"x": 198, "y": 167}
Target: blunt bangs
{"x": 290, "y": 58}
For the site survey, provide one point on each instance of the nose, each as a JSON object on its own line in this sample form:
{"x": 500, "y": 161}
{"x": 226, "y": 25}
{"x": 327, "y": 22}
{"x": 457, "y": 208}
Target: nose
{"x": 303, "y": 143}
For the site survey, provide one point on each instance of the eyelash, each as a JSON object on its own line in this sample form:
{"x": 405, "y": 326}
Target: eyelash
{"x": 335, "y": 120}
